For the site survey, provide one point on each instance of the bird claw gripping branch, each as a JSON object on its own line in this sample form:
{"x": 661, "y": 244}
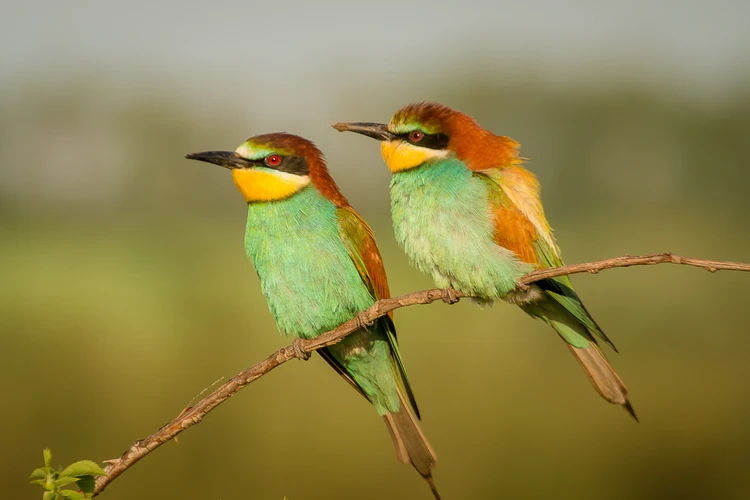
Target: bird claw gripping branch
{"x": 449, "y": 296}
{"x": 363, "y": 321}
{"x": 299, "y": 350}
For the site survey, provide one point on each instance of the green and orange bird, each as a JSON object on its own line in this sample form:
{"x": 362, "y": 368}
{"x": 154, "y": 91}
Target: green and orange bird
{"x": 468, "y": 214}
{"x": 319, "y": 266}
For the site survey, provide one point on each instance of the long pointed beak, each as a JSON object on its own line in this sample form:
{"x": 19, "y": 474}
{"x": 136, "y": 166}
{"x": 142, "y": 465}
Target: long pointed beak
{"x": 377, "y": 131}
{"x": 226, "y": 159}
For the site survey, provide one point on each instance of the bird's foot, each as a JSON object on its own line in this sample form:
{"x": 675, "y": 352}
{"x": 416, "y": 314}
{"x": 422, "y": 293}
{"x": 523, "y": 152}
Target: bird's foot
{"x": 299, "y": 350}
{"x": 363, "y": 321}
{"x": 449, "y": 296}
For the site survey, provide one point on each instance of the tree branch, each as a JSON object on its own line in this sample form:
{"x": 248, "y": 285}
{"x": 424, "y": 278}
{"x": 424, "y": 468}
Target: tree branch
{"x": 302, "y": 348}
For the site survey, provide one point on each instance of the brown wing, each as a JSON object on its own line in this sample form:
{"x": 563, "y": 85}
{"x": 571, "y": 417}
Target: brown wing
{"x": 360, "y": 240}
{"x": 515, "y": 232}
{"x": 513, "y": 229}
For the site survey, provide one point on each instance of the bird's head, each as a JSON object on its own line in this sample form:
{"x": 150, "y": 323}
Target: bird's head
{"x": 272, "y": 167}
{"x": 419, "y": 134}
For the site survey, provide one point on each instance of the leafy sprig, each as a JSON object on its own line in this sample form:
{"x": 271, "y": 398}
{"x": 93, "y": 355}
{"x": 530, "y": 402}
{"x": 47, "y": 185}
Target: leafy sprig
{"x": 82, "y": 473}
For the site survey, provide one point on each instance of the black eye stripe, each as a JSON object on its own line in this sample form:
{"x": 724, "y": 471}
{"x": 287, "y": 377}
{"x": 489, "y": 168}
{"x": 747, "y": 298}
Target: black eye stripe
{"x": 296, "y": 165}
{"x": 431, "y": 141}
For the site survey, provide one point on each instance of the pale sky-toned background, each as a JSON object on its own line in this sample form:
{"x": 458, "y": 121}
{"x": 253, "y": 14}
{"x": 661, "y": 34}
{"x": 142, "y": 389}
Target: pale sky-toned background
{"x": 298, "y": 66}
{"x": 294, "y": 50}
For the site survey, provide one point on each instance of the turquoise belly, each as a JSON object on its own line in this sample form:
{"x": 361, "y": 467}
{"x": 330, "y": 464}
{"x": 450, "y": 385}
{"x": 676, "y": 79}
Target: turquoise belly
{"x": 311, "y": 286}
{"x": 306, "y": 273}
{"x": 442, "y": 220}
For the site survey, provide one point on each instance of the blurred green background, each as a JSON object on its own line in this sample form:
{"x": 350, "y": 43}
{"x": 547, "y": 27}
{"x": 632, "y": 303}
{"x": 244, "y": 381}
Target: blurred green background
{"x": 125, "y": 291}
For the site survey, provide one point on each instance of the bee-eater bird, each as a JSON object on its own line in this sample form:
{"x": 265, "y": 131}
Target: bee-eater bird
{"x": 319, "y": 266}
{"x": 467, "y": 213}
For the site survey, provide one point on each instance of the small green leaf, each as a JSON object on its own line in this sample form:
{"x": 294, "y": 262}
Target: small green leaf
{"x": 64, "y": 481}
{"x": 47, "y": 453}
{"x": 71, "y": 495}
{"x": 40, "y": 482}
{"x": 40, "y": 473}
{"x": 49, "y": 495}
{"x": 83, "y": 468}
{"x": 87, "y": 484}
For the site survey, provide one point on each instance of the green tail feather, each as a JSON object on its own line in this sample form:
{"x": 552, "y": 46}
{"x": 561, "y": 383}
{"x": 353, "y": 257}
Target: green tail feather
{"x": 398, "y": 367}
{"x": 564, "y": 295}
{"x": 573, "y": 331}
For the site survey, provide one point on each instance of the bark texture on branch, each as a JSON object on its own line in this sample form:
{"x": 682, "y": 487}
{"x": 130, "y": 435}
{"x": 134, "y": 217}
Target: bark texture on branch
{"x": 302, "y": 348}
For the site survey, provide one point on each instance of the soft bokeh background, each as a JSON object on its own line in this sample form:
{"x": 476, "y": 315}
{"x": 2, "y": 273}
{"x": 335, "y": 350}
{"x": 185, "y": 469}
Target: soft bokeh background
{"x": 124, "y": 289}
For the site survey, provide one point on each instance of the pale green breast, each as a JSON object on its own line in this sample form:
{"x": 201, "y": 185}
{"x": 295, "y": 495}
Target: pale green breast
{"x": 306, "y": 273}
{"x": 312, "y": 285}
{"x": 442, "y": 219}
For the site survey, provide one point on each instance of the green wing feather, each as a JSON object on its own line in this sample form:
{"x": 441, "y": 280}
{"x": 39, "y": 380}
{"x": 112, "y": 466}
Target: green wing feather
{"x": 562, "y": 291}
{"x": 360, "y": 242}
{"x": 328, "y": 357}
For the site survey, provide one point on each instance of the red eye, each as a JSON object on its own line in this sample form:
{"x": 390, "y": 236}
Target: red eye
{"x": 416, "y": 136}
{"x": 273, "y": 160}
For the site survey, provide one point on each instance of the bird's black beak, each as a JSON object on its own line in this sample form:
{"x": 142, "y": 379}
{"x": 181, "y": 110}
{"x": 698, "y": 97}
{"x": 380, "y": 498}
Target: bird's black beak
{"x": 226, "y": 159}
{"x": 377, "y": 131}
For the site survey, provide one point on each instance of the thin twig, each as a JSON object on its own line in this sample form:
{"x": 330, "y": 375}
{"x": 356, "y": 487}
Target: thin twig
{"x": 302, "y": 348}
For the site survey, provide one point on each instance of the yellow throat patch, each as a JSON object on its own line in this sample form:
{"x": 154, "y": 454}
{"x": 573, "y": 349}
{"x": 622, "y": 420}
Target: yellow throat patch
{"x": 399, "y": 155}
{"x": 267, "y": 185}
